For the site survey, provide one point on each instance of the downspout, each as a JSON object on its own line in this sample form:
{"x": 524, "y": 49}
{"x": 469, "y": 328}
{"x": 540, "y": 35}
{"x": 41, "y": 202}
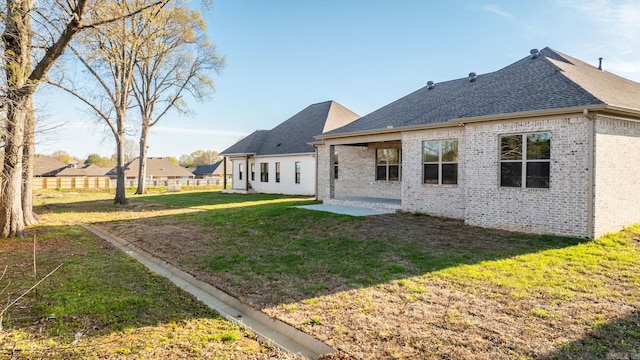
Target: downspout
{"x": 591, "y": 176}
{"x": 315, "y": 148}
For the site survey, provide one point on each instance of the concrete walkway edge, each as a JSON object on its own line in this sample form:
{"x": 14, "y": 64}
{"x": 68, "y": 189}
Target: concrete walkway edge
{"x": 269, "y": 330}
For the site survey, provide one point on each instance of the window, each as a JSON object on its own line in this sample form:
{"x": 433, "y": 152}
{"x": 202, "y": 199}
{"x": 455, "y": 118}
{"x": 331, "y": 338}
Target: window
{"x": 240, "y": 169}
{"x": 297, "y": 172}
{"x": 264, "y": 172}
{"x": 388, "y": 164}
{"x": 335, "y": 165}
{"x": 440, "y": 162}
{"x": 253, "y": 172}
{"x": 277, "y": 172}
{"x": 525, "y": 160}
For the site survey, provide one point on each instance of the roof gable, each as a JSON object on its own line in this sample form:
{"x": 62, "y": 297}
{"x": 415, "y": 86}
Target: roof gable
{"x": 294, "y": 135}
{"x": 551, "y": 81}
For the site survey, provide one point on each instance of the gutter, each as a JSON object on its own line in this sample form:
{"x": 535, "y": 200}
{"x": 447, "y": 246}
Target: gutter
{"x": 483, "y": 118}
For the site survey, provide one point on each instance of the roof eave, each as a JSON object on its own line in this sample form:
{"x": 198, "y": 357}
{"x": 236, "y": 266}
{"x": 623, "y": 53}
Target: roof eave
{"x": 238, "y": 154}
{"x": 476, "y": 119}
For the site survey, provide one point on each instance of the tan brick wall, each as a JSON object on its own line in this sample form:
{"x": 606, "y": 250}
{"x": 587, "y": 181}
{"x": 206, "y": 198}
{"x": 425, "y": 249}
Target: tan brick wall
{"x": 562, "y": 209}
{"x": 356, "y": 174}
{"x": 617, "y": 177}
{"x": 437, "y": 200}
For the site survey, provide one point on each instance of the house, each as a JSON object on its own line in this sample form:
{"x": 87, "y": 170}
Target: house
{"x": 214, "y": 172}
{"x": 160, "y": 172}
{"x": 47, "y": 166}
{"x": 548, "y": 144}
{"x": 281, "y": 160}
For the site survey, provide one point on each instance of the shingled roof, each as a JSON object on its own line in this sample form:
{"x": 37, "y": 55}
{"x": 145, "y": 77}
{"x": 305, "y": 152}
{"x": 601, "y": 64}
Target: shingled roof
{"x": 211, "y": 169}
{"x": 88, "y": 170}
{"x": 156, "y": 166}
{"x": 47, "y": 166}
{"x": 550, "y": 80}
{"x": 294, "y": 135}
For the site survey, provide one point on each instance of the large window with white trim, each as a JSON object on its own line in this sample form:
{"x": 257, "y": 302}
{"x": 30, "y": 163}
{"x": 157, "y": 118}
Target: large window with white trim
{"x": 525, "y": 160}
{"x": 440, "y": 162}
{"x": 388, "y": 164}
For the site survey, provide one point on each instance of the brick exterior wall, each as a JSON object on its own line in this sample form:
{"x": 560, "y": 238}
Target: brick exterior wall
{"x": 561, "y": 209}
{"x": 437, "y": 200}
{"x": 617, "y": 177}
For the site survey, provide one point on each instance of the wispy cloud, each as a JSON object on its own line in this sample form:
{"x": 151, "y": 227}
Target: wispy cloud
{"x": 617, "y": 18}
{"x": 495, "y": 9}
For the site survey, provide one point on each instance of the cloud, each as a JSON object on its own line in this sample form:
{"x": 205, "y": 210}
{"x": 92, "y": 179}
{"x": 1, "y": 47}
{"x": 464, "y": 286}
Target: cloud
{"x": 616, "y": 18}
{"x": 628, "y": 69}
{"x": 495, "y": 9}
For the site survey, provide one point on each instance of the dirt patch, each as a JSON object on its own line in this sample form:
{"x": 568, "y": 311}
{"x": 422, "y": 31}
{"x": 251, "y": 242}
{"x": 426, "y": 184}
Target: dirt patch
{"x": 412, "y": 315}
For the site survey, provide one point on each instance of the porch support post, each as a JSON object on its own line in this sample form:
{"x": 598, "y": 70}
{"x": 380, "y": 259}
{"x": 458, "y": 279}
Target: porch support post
{"x": 246, "y": 173}
{"x": 224, "y": 172}
{"x": 332, "y": 171}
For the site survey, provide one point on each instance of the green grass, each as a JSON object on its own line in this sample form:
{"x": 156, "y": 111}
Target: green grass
{"x": 307, "y": 259}
{"x": 102, "y": 303}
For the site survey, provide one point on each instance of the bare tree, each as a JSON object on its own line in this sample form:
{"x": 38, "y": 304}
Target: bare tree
{"x": 109, "y": 54}
{"x": 35, "y": 34}
{"x": 175, "y": 60}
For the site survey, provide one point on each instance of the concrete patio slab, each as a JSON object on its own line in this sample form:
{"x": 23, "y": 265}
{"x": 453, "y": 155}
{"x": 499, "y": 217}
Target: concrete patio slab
{"x": 346, "y": 210}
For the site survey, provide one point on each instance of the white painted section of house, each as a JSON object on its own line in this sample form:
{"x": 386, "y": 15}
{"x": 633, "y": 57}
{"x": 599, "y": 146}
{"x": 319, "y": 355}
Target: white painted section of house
{"x": 617, "y": 177}
{"x": 287, "y": 184}
{"x": 238, "y": 181}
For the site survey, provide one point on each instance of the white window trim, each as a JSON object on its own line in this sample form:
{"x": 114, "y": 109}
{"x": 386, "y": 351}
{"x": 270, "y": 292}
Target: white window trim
{"x": 440, "y": 162}
{"x": 523, "y": 161}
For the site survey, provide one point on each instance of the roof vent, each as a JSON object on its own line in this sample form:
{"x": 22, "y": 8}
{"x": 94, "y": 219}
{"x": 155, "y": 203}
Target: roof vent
{"x": 472, "y": 77}
{"x": 534, "y": 54}
{"x": 600, "y": 64}
{"x": 430, "y": 85}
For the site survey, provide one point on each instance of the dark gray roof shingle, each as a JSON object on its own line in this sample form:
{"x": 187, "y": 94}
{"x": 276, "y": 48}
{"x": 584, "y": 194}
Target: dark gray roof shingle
{"x": 206, "y": 169}
{"x": 551, "y": 81}
{"x": 294, "y": 135}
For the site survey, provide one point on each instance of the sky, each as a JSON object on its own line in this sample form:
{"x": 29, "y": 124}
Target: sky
{"x": 284, "y": 55}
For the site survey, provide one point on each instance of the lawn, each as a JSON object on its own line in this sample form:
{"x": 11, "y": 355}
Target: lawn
{"x": 102, "y": 304}
{"x": 390, "y": 286}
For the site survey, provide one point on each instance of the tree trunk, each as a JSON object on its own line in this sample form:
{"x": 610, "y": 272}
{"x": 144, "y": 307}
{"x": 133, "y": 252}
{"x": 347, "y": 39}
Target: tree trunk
{"x": 11, "y": 214}
{"x": 28, "y": 161}
{"x": 121, "y": 194}
{"x": 17, "y": 52}
{"x": 142, "y": 171}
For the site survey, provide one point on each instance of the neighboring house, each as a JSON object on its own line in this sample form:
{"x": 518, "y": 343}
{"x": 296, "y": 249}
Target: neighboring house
{"x": 548, "y": 144}
{"x": 86, "y": 170}
{"x": 213, "y": 171}
{"x": 51, "y": 173}
{"x": 47, "y": 166}
{"x": 160, "y": 172}
{"x": 281, "y": 160}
